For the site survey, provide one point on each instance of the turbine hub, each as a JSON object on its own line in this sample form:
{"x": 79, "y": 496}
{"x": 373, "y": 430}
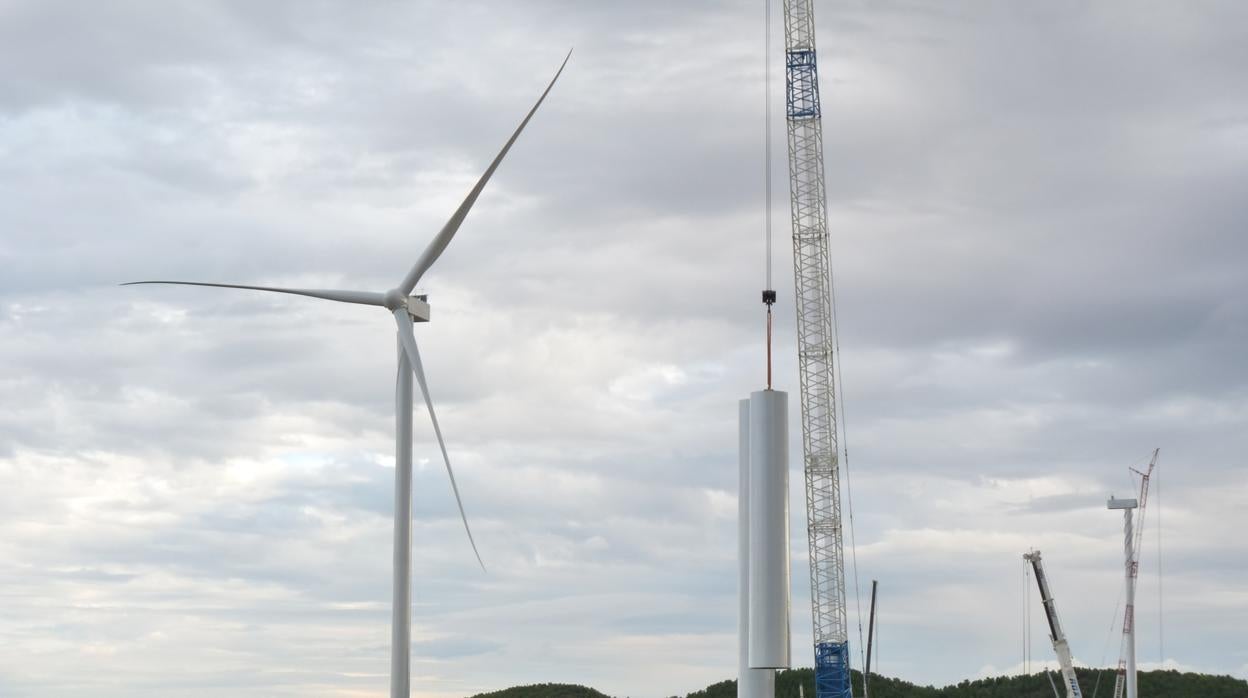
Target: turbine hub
{"x": 395, "y": 299}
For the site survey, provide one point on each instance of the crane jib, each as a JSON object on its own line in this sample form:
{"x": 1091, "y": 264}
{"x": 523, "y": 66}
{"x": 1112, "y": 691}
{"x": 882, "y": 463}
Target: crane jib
{"x": 817, "y": 354}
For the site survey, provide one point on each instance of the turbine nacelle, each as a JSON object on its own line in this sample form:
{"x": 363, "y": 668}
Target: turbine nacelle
{"x": 416, "y": 306}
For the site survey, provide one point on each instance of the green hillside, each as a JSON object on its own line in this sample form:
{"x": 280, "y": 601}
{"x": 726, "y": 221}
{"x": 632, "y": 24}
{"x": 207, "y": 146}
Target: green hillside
{"x": 545, "y": 690}
{"x": 1170, "y": 684}
{"x": 1161, "y": 684}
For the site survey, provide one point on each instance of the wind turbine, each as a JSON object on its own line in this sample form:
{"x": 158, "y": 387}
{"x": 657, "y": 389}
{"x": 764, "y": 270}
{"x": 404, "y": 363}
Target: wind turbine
{"x": 407, "y": 309}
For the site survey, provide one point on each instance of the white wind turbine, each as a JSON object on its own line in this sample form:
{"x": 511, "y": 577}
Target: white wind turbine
{"x": 407, "y": 309}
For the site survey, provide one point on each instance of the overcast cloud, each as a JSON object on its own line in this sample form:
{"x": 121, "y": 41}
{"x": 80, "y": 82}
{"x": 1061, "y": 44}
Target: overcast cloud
{"x": 1037, "y": 216}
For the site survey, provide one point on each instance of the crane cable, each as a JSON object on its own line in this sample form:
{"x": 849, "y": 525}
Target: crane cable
{"x": 844, "y": 441}
{"x": 1161, "y": 618}
{"x": 1146, "y": 479}
{"x": 839, "y": 388}
{"x": 769, "y": 295}
{"x": 1113, "y": 624}
{"x": 767, "y": 129}
{"x": 1024, "y": 617}
{"x": 1026, "y": 620}
{"x": 849, "y": 489}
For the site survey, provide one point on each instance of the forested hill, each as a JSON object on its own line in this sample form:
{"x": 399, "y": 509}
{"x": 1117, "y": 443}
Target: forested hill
{"x": 1158, "y": 684}
{"x": 1162, "y": 684}
{"x": 547, "y": 690}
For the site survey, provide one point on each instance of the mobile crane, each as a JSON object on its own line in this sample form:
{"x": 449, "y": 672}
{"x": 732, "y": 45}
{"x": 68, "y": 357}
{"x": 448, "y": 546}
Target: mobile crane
{"x": 1060, "y": 645}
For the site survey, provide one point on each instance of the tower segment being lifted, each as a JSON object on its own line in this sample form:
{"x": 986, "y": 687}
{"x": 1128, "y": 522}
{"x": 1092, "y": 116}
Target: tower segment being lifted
{"x": 816, "y": 344}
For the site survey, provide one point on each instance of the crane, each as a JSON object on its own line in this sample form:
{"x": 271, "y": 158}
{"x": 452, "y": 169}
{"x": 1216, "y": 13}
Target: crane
{"x": 1132, "y": 538}
{"x": 866, "y": 667}
{"x": 816, "y": 344}
{"x": 1056, "y": 635}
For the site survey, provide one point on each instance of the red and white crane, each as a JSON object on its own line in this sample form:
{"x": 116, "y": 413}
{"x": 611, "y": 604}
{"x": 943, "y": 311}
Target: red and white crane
{"x": 1132, "y": 537}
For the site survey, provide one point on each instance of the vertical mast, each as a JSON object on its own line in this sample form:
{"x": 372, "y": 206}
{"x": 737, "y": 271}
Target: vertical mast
{"x": 866, "y": 667}
{"x": 1126, "y": 678}
{"x": 816, "y": 341}
{"x": 1128, "y": 619}
{"x": 1133, "y": 532}
{"x": 401, "y": 606}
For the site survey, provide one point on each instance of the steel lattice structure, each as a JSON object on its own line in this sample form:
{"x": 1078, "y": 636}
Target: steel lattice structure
{"x": 816, "y": 344}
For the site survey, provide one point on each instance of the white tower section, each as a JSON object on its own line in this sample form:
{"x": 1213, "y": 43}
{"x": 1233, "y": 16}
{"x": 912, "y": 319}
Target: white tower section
{"x": 751, "y": 683}
{"x": 1126, "y": 670}
{"x": 763, "y": 543}
{"x": 769, "y": 530}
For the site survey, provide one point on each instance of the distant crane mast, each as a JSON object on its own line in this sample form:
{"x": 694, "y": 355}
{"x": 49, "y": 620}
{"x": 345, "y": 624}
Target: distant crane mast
{"x": 866, "y": 667}
{"x": 1060, "y": 646}
{"x": 1132, "y": 539}
{"x": 816, "y": 344}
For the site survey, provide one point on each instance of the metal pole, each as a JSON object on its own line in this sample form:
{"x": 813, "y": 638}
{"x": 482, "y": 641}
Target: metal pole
{"x": 1052, "y": 684}
{"x": 401, "y": 609}
{"x": 866, "y": 672}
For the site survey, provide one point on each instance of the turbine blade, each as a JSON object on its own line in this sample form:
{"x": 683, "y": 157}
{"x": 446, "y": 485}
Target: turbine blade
{"x": 408, "y": 339}
{"x": 443, "y": 238}
{"x": 359, "y": 297}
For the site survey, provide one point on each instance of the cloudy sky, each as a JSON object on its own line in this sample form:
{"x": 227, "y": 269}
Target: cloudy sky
{"x": 1037, "y": 215}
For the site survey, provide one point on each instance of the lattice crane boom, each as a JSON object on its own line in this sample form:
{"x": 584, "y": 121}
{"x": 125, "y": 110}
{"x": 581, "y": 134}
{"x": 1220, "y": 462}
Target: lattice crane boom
{"x": 816, "y": 344}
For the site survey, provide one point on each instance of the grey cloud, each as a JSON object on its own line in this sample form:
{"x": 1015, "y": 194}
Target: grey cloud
{"x": 1035, "y": 216}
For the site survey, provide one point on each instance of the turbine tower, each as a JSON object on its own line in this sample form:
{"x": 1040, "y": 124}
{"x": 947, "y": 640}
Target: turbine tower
{"x": 407, "y": 310}
{"x": 1133, "y": 539}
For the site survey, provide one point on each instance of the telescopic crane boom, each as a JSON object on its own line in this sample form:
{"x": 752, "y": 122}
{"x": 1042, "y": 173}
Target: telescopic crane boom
{"x": 1056, "y": 635}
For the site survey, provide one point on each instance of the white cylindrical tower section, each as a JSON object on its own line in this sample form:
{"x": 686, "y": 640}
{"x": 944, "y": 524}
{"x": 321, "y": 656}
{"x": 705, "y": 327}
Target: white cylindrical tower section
{"x": 1131, "y": 568}
{"x": 1128, "y": 621}
{"x": 751, "y": 683}
{"x": 769, "y": 530}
